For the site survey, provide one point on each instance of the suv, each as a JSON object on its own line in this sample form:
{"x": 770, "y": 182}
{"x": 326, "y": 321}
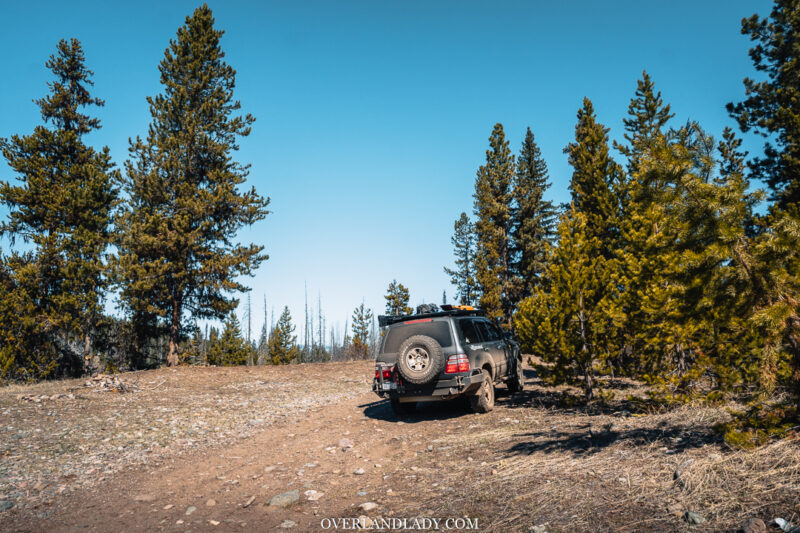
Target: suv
{"x": 443, "y": 354}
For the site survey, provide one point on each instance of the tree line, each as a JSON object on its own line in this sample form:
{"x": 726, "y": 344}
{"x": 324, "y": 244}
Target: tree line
{"x": 665, "y": 266}
{"x": 158, "y": 233}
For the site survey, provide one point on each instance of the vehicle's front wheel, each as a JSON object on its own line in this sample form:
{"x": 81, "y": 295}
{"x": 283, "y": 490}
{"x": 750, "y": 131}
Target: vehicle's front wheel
{"x": 403, "y": 408}
{"x": 483, "y": 399}
{"x": 517, "y": 380}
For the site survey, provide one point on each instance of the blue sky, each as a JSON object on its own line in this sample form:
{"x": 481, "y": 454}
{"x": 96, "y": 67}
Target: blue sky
{"x": 372, "y": 117}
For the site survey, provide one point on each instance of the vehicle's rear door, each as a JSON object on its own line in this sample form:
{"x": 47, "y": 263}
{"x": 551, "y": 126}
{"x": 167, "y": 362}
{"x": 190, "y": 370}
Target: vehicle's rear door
{"x": 495, "y": 343}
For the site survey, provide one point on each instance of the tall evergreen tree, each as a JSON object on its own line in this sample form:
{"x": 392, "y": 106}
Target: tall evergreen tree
{"x": 493, "y": 228}
{"x": 595, "y": 176}
{"x": 772, "y": 106}
{"x": 534, "y": 218}
{"x": 573, "y": 324}
{"x": 463, "y": 275}
{"x": 397, "y": 300}
{"x": 647, "y": 117}
{"x": 362, "y": 320}
{"x": 62, "y": 205}
{"x": 176, "y": 249}
{"x": 283, "y": 342}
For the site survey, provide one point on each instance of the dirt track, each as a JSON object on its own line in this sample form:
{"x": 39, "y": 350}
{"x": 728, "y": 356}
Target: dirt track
{"x": 525, "y": 465}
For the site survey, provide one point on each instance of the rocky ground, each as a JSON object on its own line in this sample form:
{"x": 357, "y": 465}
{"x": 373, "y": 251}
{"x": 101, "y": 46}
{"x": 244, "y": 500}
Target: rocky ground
{"x": 293, "y": 448}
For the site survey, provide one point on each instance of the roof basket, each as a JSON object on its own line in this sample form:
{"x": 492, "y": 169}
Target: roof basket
{"x": 444, "y": 310}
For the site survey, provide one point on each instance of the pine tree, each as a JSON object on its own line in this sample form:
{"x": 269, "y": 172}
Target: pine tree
{"x": 534, "y": 219}
{"x": 573, "y": 325}
{"x": 62, "y": 206}
{"x": 772, "y": 106}
{"x": 397, "y": 300}
{"x": 282, "y": 342}
{"x": 595, "y": 176}
{"x": 176, "y": 249}
{"x": 463, "y": 275}
{"x": 362, "y": 319}
{"x": 231, "y": 349}
{"x": 647, "y": 117}
{"x": 493, "y": 228}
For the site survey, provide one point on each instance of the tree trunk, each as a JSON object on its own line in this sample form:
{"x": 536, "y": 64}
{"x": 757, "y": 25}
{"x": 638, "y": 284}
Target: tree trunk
{"x": 588, "y": 383}
{"x": 587, "y": 366}
{"x": 174, "y": 333}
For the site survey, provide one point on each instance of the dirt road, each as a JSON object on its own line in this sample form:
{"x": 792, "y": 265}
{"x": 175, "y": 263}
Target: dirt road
{"x": 529, "y": 465}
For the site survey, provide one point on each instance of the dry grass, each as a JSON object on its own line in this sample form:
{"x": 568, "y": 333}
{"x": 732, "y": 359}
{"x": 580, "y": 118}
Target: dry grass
{"x": 609, "y": 470}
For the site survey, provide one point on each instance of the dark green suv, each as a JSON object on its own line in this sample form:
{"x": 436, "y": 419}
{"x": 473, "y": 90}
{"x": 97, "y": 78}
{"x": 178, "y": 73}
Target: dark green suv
{"x": 444, "y": 354}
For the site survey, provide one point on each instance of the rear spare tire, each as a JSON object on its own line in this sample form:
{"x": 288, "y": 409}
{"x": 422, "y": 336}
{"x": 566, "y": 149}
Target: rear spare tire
{"x": 420, "y": 359}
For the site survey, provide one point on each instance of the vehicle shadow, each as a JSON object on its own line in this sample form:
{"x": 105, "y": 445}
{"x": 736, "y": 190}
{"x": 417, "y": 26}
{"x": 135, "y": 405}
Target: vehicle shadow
{"x": 443, "y": 410}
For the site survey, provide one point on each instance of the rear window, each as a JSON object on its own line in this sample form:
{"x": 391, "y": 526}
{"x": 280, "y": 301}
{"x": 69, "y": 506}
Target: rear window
{"x": 438, "y": 330}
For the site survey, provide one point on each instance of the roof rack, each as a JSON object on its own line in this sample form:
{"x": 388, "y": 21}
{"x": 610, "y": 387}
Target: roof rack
{"x": 447, "y": 310}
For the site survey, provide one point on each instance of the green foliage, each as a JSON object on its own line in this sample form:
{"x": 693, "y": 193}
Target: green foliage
{"x": 362, "y": 321}
{"x": 761, "y": 423}
{"x": 231, "y": 349}
{"x": 772, "y": 105}
{"x": 534, "y": 219}
{"x": 594, "y": 178}
{"x": 573, "y": 324}
{"x": 61, "y": 207}
{"x": 493, "y": 227}
{"x": 283, "y": 342}
{"x": 647, "y": 117}
{"x": 397, "y": 300}
{"x": 464, "y": 247}
{"x": 176, "y": 246}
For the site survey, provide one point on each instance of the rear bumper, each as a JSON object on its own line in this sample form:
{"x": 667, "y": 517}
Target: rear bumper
{"x": 440, "y": 389}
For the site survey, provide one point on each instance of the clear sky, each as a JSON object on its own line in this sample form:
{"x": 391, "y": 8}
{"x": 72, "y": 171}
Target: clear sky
{"x": 372, "y": 117}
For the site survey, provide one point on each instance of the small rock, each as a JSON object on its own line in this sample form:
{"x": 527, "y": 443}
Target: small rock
{"x": 787, "y": 526}
{"x": 269, "y": 469}
{"x": 213, "y": 522}
{"x": 368, "y": 506}
{"x": 542, "y": 528}
{"x": 365, "y": 521}
{"x": 470, "y": 459}
{"x": 211, "y": 503}
{"x": 346, "y": 443}
{"x": 285, "y": 498}
{"x": 494, "y": 471}
{"x": 145, "y": 498}
{"x": 358, "y": 471}
{"x": 313, "y": 495}
{"x": 361, "y": 493}
{"x": 430, "y": 447}
{"x": 754, "y": 525}
{"x": 693, "y": 517}
{"x": 249, "y": 501}
{"x": 168, "y": 507}
{"x": 287, "y": 524}
{"x": 179, "y": 522}
{"x": 190, "y": 510}
{"x": 5, "y": 505}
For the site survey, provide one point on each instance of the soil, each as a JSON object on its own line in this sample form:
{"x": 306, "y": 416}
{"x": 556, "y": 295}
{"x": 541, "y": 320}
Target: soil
{"x": 206, "y": 449}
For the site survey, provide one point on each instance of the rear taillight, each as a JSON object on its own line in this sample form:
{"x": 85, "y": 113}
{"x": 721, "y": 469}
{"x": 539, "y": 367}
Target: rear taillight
{"x": 387, "y": 373}
{"x": 457, "y": 363}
